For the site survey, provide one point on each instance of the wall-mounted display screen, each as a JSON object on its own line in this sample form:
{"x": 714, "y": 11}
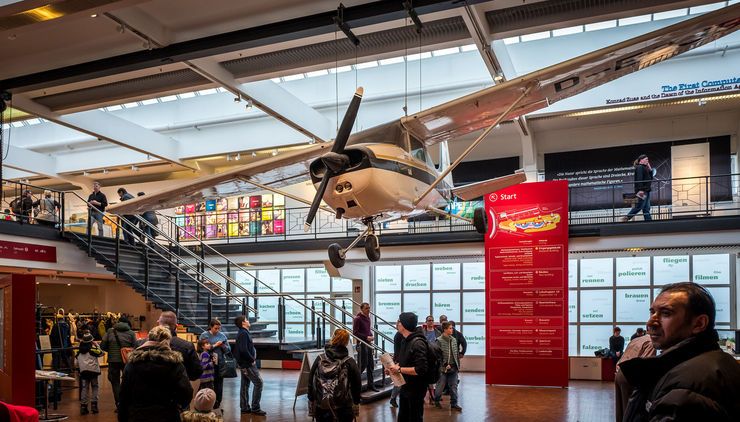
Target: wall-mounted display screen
{"x": 446, "y": 276}
{"x": 633, "y": 271}
{"x": 670, "y": 269}
{"x": 416, "y": 277}
{"x": 597, "y": 272}
{"x": 387, "y": 277}
{"x": 711, "y": 269}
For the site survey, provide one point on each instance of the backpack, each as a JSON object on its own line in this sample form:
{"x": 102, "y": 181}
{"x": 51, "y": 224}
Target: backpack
{"x": 15, "y": 205}
{"x": 434, "y": 361}
{"x": 331, "y": 383}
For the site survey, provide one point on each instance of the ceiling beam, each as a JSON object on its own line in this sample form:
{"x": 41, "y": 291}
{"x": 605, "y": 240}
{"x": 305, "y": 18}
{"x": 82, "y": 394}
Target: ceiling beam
{"x": 26, "y": 160}
{"x": 107, "y": 126}
{"x": 475, "y": 20}
{"x": 270, "y": 98}
{"x": 370, "y": 13}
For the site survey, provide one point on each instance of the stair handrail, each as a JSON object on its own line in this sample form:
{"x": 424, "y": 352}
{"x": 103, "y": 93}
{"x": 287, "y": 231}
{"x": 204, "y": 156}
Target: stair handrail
{"x": 335, "y": 306}
{"x": 195, "y": 324}
{"x": 149, "y": 247}
{"x": 371, "y": 312}
{"x": 195, "y": 256}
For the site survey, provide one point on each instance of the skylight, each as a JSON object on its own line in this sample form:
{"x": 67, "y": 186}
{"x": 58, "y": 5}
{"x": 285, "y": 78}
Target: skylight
{"x": 168, "y": 98}
{"x": 367, "y": 65}
{"x": 208, "y": 91}
{"x": 150, "y": 101}
{"x": 295, "y": 77}
{"x": 393, "y": 60}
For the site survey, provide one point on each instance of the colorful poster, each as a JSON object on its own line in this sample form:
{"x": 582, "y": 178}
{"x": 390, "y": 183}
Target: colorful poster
{"x": 267, "y": 228}
{"x": 267, "y": 200}
{"x": 221, "y": 204}
{"x": 244, "y": 229}
{"x": 243, "y": 202}
{"x": 211, "y": 205}
{"x": 278, "y": 227}
{"x": 200, "y": 207}
{"x": 179, "y": 210}
{"x": 233, "y": 203}
{"x": 255, "y": 201}
{"x": 190, "y": 209}
{"x": 527, "y": 285}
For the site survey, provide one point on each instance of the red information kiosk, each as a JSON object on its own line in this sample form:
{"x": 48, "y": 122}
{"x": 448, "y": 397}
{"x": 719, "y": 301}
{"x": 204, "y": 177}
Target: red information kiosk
{"x": 526, "y": 285}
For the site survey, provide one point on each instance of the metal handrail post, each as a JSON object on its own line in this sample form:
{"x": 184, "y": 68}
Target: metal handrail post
{"x": 146, "y": 273}
{"x": 177, "y": 297}
{"x": 210, "y": 309}
{"x": 281, "y": 319}
{"x": 706, "y": 182}
{"x": 89, "y": 232}
{"x": 118, "y": 251}
{"x": 228, "y": 288}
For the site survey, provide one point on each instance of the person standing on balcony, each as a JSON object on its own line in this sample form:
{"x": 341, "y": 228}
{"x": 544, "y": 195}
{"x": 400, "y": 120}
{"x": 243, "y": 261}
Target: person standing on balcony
{"x": 643, "y": 179}
{"x": 99, "y": 201}
{"x": 219, "y": 345}
{"x": 361, "y": 329}
{"x": 128, "y": 221}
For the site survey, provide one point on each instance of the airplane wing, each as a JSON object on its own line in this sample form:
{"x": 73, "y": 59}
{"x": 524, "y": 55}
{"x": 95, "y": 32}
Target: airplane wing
{"x": 563, "y": 80}
{"x": 281, "y": 170}
{"x": 478, "y": 189}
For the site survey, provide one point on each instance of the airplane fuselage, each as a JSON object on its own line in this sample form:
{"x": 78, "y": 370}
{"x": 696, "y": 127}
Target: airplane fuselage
{"x": 383, "y": 180}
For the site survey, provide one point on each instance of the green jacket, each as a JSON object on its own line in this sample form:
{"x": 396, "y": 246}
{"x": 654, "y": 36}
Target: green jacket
{"x": 125, "y": 335}
{"x": 449, "y": 351}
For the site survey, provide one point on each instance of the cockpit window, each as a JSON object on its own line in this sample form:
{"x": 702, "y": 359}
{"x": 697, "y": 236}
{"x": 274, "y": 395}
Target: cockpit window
{"x": 419, "y": 152}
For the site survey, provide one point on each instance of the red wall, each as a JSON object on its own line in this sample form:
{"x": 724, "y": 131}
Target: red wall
{"x": 17, "y": 377}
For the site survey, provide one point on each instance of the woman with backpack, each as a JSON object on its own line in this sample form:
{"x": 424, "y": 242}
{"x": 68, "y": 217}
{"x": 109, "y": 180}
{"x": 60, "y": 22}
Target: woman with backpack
{"x": 334, "y": 382}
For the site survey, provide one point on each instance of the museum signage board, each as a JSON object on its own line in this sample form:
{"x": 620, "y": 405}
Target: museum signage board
{"x": 527, "y": 285}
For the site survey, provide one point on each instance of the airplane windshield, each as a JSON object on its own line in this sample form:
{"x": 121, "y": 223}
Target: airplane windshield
{"x": 389, "y": 133}
{"x": 419, "y": 152}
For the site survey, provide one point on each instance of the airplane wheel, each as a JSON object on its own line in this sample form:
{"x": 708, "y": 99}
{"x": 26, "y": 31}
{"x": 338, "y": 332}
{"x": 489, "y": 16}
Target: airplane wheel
{"x": 480, "y": 222}
{"x": 371, "y": 248}
{"x": 334, "y": 255}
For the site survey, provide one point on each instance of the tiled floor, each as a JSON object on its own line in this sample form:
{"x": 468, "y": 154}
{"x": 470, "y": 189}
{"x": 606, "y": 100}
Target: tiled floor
{"x": 584, "y": 401}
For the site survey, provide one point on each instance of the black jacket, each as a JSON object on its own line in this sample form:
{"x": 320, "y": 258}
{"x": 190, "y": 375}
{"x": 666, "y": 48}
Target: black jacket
{"x": 353, "y": 371}
{"x": 154, "y": 386}
{"x": 643, "y": 178}
{"x": 190, "y": 358}
{"x": 244, "y": 351}
{"x": 414, "y": 353}
{"x": 691, "y": 381}
{"x": 616, "y": 344}
{"x": 397, "y": 340}
{"x": 100, "y": 197}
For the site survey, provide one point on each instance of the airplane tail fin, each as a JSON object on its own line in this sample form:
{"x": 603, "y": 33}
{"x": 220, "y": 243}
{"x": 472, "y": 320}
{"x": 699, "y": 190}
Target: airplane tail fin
{"x": 478, "y": 189}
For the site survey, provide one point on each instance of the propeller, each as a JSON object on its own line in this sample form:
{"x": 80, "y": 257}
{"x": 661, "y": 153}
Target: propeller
{"x": 335, "y": 161}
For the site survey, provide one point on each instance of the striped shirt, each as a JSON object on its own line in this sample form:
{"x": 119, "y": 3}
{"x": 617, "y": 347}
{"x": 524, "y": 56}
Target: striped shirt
{"x": 206, "y": 361}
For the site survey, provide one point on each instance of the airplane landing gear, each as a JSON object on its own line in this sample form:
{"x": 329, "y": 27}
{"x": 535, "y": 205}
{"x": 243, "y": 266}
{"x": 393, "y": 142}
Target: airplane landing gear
{"x": 480, "y": 222}
{"x": 337, "y": 254}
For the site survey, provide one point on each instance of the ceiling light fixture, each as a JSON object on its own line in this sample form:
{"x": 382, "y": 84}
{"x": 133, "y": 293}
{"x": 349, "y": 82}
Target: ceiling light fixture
{"x": 274, "y": 153}
{"x": 254, "y": 154}
{"x": 238, "y": 156}
{"x": 228, "y": 157}
{"x": 238, "y": 99}
{"x": 105, "y": 171}
{"x": 249, "y": 104}
{"x": 84, "y": 173}
{"x": 134, "y": 168}
{"x": 94, "y": 15}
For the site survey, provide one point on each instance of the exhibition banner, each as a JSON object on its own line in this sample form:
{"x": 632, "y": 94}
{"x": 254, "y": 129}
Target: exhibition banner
{"x": 527, "y": 285}
{"x": 27, "y": 251}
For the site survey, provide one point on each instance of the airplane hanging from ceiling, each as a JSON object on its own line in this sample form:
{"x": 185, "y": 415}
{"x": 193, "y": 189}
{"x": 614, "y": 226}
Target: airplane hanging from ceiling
{"x": 385, "y": 173}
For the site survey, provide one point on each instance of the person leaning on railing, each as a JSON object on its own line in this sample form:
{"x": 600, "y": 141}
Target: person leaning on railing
{"x": 99, "y": 201}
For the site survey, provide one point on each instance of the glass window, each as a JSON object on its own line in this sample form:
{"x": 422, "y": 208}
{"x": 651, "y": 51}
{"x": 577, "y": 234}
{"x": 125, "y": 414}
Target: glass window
{"x": 572, "y": 306}
{"x": 293, "y": 280}
{"x": 711, "y": 269}
{"x": 267, "y": 307}
{"x": 670, "y": 269}
{"x": 633, "y": 271}
{"x": 721, "y": 297}
{"x": 347, "y": 305}
{"x": 388, "y": 306}
{"x": 340, "y": 284}
{"x": 629, "y": 330}
{"x": 243, "y": 278}
{"x": 417, "y": 303}
{"x": 416, "y": 277}
{"x": 270, "y": 278}
{"x": 633, "y": 305}
{"x": 475, "y": 336}
{"x": 474, "y": 276}
{"x": 446, "y": 276}
{"x": 572, "y": 273}
{"x": 387, "y": 277}
{"x": 317, "y": 280}
{"x": 418, "y": 151}
{"x": 446, "y": 304}
{"x": 294, "y": 312}
{"x": 297, "y": 330}
{"x": 572, "y": 340}
{"x": 597, "y": 272}
{"x": 593, "y": 338}
{"x": 474, "y": 307}
{"x": 596, "y": 306}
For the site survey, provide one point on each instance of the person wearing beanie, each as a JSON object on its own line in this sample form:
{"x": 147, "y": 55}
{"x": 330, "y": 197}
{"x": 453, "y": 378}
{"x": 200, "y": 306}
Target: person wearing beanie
{"x": 412, "y": 364}
{"x": 87, "y": 361}
{"x": 202, "y": 408}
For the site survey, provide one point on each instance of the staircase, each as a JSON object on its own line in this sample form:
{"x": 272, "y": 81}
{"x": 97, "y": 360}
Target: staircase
{"x": 161, "y": 287}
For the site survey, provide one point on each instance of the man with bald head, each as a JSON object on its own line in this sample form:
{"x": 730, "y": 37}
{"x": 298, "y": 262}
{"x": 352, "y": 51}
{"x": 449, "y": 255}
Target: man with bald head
{"x": 691, "y": 379}
{"x": 189, "y": 357}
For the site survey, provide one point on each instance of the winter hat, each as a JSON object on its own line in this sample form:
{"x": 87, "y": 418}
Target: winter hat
{"x": 123, "y": 318}
{"x": 204, "y": 400}
{"x": 87, "y": 338}
{"x": 409, "y": 320}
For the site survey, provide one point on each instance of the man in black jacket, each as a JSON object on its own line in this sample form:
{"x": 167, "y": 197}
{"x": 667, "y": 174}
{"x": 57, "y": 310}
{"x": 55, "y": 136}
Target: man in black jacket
{"x": 412, "y": 364}
{"x": 190, "y": 358}
{"x": 692, "y": 379}
{"x": 128, "y": 221}
{"x": 246, "y": 357}
{"x": 99, "y": 201}
{"x": 643, "y": 179}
